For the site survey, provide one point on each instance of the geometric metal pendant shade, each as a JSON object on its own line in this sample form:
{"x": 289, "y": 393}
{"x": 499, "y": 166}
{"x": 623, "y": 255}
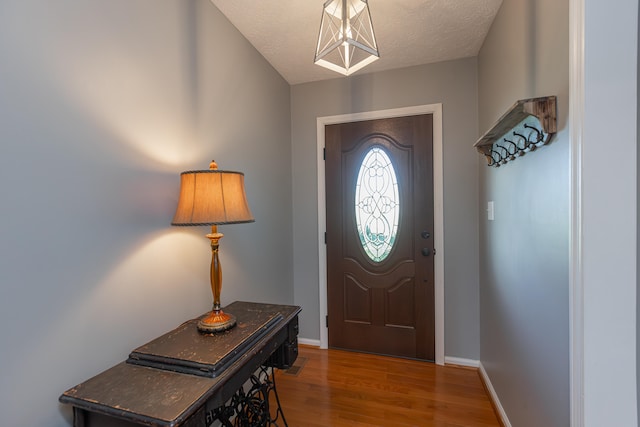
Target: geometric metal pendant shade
{"x": 346, "y": 42}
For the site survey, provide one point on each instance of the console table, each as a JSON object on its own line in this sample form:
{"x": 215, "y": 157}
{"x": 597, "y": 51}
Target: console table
{"x": 188, "y": 379}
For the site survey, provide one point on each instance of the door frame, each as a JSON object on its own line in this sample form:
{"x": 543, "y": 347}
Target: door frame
{"x": 438, "y": 211}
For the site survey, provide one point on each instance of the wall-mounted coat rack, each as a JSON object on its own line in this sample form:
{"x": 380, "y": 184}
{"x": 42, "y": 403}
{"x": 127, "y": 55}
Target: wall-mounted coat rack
{"x": 527, "y": 125}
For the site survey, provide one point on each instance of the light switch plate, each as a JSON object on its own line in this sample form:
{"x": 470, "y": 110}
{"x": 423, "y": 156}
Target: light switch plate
{"x": 490, "y": 211}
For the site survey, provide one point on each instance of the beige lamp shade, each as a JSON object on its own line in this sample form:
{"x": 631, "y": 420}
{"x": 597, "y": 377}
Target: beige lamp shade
{"x": 210, "y": 197}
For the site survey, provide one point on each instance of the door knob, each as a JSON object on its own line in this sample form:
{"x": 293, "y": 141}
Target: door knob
{"x": 426, "y": 251}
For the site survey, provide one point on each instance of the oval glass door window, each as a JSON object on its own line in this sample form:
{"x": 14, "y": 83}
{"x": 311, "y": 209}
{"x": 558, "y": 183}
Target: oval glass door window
{"x": 377, "y": 204}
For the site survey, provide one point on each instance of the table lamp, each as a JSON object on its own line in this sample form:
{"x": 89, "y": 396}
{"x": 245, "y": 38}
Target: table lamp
{"x": 213, "y": 197}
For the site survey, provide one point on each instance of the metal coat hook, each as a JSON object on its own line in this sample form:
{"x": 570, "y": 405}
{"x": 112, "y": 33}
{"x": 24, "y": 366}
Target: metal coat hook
{"x": 539, "y": 135}
{"x": 501, "y": 154}
{"x": 496, "y": 162}
{"x": 516, "y": 149}
{"x": 525, "y": 140}
{"x": 507, "y": 155}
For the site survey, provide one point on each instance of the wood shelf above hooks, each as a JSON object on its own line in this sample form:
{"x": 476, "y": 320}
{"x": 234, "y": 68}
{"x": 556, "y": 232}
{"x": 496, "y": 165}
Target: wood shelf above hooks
{"x": 528, "y": 124}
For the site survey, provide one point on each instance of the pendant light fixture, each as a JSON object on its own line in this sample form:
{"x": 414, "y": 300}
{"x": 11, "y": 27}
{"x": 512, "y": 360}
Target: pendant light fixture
{"x": 346, "y": 42}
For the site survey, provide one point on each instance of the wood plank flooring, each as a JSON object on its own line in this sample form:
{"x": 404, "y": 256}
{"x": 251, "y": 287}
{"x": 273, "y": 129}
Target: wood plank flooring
{"x": 340, "y": 388}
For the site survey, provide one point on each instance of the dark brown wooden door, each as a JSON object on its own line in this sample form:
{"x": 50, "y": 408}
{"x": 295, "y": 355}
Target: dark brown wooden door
{"x": 380, "y": 284}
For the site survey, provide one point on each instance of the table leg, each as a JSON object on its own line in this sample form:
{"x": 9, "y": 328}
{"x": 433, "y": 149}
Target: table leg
{"x": 79, "y": 417}
{"x": 251, "y": 408}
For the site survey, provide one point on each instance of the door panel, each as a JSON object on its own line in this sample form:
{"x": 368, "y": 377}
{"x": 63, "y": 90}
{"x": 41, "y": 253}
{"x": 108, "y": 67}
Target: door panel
{"x": 381, "y": 306}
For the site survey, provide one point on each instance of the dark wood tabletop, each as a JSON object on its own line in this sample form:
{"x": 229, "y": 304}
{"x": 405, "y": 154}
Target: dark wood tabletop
{"x": 166, "y": 381}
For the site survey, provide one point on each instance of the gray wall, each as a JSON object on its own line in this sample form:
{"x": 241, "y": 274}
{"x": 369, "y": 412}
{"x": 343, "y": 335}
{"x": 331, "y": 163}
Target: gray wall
{"x": 102, "y": 105}
{"x": 609, "y": 218}
{"x": 454, "y": 85}
{"x": 524, "y": 253}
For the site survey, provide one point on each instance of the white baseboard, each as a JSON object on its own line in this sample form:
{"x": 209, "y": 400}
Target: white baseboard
{"x": 307, "y": 341}
{"x": 494, "y": 396}
{"x": 448, "y": 360}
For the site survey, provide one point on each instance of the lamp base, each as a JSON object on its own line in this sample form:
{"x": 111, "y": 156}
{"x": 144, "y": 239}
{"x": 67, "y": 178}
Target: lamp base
{"x": 216, "y": 322}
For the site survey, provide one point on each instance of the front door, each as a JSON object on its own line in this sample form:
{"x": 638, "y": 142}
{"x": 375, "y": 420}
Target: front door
{"x": 380, "y": 271}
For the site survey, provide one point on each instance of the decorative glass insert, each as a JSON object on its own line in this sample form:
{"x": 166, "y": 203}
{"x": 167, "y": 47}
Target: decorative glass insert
{"x": 377, "y": 204}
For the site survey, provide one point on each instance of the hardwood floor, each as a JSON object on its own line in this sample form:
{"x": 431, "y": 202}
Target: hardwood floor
{"x": 340, "y": 388}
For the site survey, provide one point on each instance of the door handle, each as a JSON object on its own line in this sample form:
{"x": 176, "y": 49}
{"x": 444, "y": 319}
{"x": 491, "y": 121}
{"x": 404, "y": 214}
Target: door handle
{"x": 426, "y": 251}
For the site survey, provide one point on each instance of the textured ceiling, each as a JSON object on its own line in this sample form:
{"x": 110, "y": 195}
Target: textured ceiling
{"x": 408, "y": 32}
